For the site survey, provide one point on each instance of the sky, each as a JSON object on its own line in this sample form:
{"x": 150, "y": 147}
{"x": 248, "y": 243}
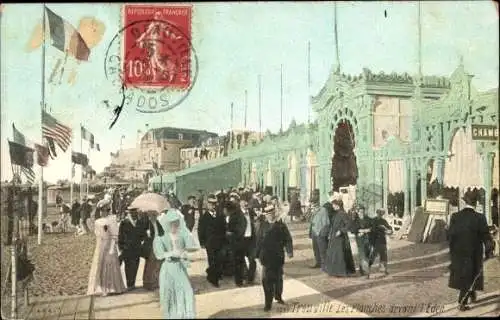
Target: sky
{"x": 235, "y": 43}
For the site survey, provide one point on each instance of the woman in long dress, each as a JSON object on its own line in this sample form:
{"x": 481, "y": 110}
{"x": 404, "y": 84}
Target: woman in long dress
{"x": 150, "y": 277}
{"x": 105, "y": 275}
{"x": 172, "y": 245}
{"x": 339, "y": 260}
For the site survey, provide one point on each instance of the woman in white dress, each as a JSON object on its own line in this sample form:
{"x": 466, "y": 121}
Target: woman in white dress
{"x": 171, "y": 245}
{"x": 105, "y": 274}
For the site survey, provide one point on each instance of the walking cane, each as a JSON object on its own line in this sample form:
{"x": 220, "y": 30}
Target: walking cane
{"x": 475, "y": 279}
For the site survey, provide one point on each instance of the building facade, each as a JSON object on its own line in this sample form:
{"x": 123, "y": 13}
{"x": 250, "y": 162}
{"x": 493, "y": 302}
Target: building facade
{"x": 158, "y": 149}
{"x": 403, "y": 132}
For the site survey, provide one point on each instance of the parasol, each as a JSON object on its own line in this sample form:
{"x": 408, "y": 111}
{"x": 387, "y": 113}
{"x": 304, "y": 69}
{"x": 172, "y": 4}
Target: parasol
{"x": 150, "y": 202}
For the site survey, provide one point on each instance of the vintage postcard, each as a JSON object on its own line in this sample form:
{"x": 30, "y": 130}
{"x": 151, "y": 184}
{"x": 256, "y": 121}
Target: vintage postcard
{"x": 249, "y": 159}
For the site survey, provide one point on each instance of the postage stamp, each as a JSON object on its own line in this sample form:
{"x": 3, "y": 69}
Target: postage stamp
{"x": 151, "y": 60}
{"x": 157, "y": 46}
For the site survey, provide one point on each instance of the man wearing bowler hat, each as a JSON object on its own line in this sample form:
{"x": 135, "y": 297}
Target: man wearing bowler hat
{"x": 212, "y": 235}
{"x": 467, "y": 233}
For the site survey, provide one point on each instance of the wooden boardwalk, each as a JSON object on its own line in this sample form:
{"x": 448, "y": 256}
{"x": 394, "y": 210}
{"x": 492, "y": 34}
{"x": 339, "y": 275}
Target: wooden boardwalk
{"x": 60, "y": 308}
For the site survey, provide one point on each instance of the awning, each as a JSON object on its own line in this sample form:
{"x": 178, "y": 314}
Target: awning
{"x": 396, "y": 176}
{"x": 463, "y": 168}
{"x": 269, "y": 175}
{"x": 166, "y": 178}
{"x": 211, "y": 176}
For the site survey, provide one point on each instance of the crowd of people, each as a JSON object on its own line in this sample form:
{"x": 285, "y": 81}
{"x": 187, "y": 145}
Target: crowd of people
{"x": 238, "y": 229}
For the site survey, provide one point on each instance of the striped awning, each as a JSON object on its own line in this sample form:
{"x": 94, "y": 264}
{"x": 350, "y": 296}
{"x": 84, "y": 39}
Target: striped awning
{"x": 396, "y": 176}
{"x": 463, "y": 168}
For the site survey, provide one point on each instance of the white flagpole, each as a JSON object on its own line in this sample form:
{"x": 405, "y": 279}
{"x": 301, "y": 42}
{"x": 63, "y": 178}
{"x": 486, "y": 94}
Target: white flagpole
{"x": 337, "y": 54}
{"x": 71, "y": 175}
{"x": 42, "y": 107}
{"x": 87, "y": 174}
{"x": 81, "y": 167}
{"x": 309, "y": 82}
{"x": 420, "y": 40}
{"x": 281, "y": 98}
{"x": 260, "y": 107}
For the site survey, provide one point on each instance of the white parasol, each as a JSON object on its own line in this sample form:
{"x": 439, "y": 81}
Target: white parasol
{"x": 150, "y": 202}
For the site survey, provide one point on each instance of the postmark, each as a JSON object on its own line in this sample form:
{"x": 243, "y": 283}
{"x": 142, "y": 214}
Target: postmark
{"x": 151, "y": 60}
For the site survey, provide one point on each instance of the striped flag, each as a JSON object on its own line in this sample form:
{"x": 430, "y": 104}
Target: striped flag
{"x": 79, "y": 158}
{"x": 22, "y": 156}
{"x": 20, "y": 139}
{"x": 66, "y": 38}
{"x": 54, "y": 130}
{"x": 42, "y": 155}
{"x": 87, "y": 135}
{"x": 52, "y": 148}
{"x": 29, "y": 174}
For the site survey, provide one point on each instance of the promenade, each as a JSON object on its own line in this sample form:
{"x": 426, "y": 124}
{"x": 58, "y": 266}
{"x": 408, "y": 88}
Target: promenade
{"x": 417, "y": 286}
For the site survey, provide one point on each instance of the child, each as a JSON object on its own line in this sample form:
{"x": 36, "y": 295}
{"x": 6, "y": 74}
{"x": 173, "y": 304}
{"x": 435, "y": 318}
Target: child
{"x": 380, "y": 227}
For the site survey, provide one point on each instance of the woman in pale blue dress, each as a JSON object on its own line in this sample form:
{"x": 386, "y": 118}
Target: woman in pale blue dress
{"x": 172, "y": 245}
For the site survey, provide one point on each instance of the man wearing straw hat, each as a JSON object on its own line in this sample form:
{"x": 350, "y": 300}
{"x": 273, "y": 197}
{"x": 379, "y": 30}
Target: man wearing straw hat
{"x": 467, "y": 233}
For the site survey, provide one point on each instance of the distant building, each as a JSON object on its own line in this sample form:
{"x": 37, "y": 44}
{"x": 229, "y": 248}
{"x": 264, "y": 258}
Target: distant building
{"x": 213, "y": 148}
{"x": 158, "y": 149}
{"x": 209, "y": 149}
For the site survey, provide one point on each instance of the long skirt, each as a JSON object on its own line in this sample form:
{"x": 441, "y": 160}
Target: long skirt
{"x": 105, "y": 275}
{"x": 151, "y": 275}
{"x": 339, "y": 260}
{"x": 176, "y": 292}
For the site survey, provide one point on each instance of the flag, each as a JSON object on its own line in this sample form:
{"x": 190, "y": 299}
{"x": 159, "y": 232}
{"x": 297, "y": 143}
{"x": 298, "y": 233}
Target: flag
{"x": 29, "y": 174}
{"x": 42, "y": 153}
{"x": 52, "y": 148}
{"x": 22, "y": 156}
{"x": 87, "y": 135}
{"x": 66, "y": 38}
{"x": 18, "y": 137}
{"x": 53, "y": 129}
{"x": 79, "y": 158}
{"x": 97, "y": 147}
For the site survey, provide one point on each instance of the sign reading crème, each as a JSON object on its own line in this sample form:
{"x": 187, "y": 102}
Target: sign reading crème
{"x": 484, "y": 132}
{"x": 437, "y": 206}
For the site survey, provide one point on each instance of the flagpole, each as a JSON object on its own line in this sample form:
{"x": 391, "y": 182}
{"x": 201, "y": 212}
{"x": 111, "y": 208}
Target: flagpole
{"x": 232, "y": 124}
{"x": 260, "y": 107}
{"x": 81, "y": 167}
{"x": 246, "y": 108}
{"x": 308, "y": 81}
{"x": 337, "y": 54}
{"x": 281, "y": 98}
{"x": 87, "y": 174}
{"x": 420, "y": 40}
{"x": 42, "y": 109}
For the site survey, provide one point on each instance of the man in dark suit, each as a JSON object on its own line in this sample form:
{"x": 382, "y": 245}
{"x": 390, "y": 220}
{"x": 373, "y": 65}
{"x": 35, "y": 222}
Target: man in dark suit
{"x": 249, "y": 239}
{"x": 130, "y": 236}
{"x": 272, "y": 239}
{"x": 211, "y": 234}
{"x": 236, "y": 227}
{"x": 467, "y": 233}
{"x": 121, "y": 204}
{"x": 255, "y": 203}
{"x": 188, "y": 210}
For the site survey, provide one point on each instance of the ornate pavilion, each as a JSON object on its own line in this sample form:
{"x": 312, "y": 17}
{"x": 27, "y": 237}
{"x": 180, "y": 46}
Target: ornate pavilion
{"x": 389, "y": 135}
